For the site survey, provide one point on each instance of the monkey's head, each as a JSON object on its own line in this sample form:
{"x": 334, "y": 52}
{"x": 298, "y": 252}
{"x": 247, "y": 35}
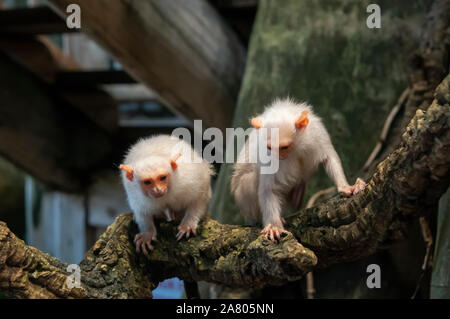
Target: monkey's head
{"x": 286, "y": 132}
{"x": 153, "y": 174}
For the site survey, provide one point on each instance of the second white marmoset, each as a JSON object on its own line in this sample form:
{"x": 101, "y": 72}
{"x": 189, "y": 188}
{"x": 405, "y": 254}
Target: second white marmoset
{"x": 164, "y": 175}
{"x": 303, "y": 143}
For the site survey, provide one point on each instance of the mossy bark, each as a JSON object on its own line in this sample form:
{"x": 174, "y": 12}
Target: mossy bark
{"x": 407, "y": 183}
{"x": 226, "y": 254}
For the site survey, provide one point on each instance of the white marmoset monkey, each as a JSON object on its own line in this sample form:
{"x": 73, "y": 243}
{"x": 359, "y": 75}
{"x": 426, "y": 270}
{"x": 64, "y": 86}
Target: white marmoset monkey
{"x": 163, "y": 175}
{"x": 303, "y": 144}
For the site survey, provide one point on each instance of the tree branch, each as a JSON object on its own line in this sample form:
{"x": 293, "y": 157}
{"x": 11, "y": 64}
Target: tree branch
{"x": 410, "y": 180}
{"x": 234, "y": 255}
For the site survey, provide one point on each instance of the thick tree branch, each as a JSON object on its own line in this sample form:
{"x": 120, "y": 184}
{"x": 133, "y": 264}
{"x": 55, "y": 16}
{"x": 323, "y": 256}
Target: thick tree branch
{"x": 409, "y": 181}
{"x": 26, "y": 272}
{"x": 233, "y": 255}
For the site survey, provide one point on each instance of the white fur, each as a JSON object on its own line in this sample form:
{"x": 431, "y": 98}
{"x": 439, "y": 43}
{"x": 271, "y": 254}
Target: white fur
{"x": 257, "y": 193}
{"x": 189, "y": 189}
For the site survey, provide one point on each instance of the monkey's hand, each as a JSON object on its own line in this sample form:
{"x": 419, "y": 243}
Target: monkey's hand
{"x": 272, "y": 232}
{"x": 143, "y": 241}
{"x": 186, "y": 229}
{"x": 348, "y": 190}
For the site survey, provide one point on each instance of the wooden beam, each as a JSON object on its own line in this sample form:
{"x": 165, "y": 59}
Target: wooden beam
{"x": 32, "y": 21}
{"x": 46, "y": 60}
{"x": 50, "y": 139}
{"x": 240, "y": 16}
{"x": 182, "y": 49}
{"x": 124, "y": 93}
{"x": 83, "y": 78}
{"x": 38, "y": 54}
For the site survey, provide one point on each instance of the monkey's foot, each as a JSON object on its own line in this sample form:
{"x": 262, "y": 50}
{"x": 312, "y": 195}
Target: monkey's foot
{"x": 143, "y": 241}
{"x": 346, "y": 190}
{"x": 272, "y": 232}
{"x": 359, "y": 186}
{"x": 187, "y": 230}
{"x": 352, "y": 190}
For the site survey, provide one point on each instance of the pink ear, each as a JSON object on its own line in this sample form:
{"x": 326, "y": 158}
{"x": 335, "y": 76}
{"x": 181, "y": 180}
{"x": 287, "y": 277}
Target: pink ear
{"x": 128, "y": 170}
{"x": 256, "y": 122}
{"x": 173, "y": 160}
{"x": 302, "y": 121}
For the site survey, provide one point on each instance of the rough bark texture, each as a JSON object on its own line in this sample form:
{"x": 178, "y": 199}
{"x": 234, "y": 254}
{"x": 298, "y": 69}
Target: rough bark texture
{"x": 225, "y": 254}
{"x": 409, "y": 181}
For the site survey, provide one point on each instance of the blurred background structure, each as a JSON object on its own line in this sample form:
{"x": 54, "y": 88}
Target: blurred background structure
{"x": 73, "y": 100}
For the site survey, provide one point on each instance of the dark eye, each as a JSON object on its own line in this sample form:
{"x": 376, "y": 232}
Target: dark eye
{"x": 147, "y": 182}
{"x": 162, "y": 178}
{"x": 284, "y": 148}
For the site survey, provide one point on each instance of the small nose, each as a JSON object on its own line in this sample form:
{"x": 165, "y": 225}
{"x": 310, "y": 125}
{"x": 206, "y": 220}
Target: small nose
{"x": 158, "y": 192}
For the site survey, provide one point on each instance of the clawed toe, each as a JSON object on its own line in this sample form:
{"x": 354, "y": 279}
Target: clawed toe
{"x": 346, "y": 190}
{"x": 359, "y": 186}
{"x": 143, "y": 242}
{"x": 185, "y": 230}
{"x": 272, "y": 232}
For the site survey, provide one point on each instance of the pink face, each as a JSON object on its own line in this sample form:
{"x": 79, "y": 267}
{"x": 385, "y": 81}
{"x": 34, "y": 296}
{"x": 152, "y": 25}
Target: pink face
{"x": 155, "y": 185}
{"x": 284, "y": 148}
{"x": 155, "y": 182}
{"x": 286, "y": 134}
